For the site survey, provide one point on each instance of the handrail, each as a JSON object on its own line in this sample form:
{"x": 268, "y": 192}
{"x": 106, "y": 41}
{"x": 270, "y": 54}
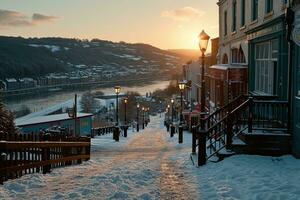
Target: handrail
{"x": 254, "y": 113}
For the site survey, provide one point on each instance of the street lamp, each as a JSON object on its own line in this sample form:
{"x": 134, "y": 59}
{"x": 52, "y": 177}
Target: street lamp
{"x": 125, "y": 116}
{"x": 143, "y": 112}
{"x": 137, "y": 117}
{"x": 117, "y": 91}
{"x": 168, "y": 108}
{"x": 181, "y": 87}
{"x": 203, "y": 43}
{"x": 172, "y": 112}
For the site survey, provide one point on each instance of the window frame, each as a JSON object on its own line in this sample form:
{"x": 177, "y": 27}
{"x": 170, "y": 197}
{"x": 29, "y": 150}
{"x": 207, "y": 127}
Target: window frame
{"x": 225, "y": 23}
{"x": 234, "y": 16}
{"x": 254, "y": 11}
{"x": 269, "y": 6}
{"x": 243, "y": 15}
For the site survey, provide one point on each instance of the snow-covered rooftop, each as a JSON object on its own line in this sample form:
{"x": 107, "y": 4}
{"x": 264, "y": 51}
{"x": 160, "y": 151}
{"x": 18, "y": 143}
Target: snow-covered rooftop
{"x": 228, "y": 66}
{"x": 49, "y": 118}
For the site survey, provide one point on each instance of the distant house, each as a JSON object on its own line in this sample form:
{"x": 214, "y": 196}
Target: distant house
{"x": 12, "y": 84}
{"x": 36, "y": 124}
{"x": 26, "y": 83}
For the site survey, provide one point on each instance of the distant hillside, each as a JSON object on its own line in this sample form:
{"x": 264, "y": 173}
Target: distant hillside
{"x": 20, "y": 57}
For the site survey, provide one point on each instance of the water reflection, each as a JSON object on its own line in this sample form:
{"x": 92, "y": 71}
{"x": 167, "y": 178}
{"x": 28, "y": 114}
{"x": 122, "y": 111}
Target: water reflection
{"x": 39, "y": 102}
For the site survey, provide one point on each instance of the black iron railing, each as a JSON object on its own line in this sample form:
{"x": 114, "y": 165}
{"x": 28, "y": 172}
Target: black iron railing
{"x": 245, "y": 113}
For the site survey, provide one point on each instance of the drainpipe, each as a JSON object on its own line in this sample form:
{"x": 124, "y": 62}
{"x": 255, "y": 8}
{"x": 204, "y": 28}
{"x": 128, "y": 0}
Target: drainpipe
{"x": 289, "y": 17}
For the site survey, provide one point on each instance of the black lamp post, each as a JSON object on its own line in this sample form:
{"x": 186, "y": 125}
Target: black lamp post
{"x": 168, "y": 110}
{"x": 172, "y": 112}
{"x": 181, "y": 87}
{"x": 117, "y": 91}
{"x": 180, "y": 132}
{"x": 203, "y": 42}
{"x": 137, "y": 117}
{"x": 116, "y": 131}
{"x": 143, "y": 117}
{"x": 125, "y": 116}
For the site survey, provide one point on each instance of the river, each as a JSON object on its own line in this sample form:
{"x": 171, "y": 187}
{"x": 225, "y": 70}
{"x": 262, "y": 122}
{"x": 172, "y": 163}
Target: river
{"x": 39, "y": 102}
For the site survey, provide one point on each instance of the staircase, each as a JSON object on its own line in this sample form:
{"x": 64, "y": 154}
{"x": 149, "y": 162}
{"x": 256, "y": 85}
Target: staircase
{"x": 248, "y": 124}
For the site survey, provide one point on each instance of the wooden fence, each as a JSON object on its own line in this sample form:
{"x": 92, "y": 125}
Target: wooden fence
{"x": 24, "y": 154}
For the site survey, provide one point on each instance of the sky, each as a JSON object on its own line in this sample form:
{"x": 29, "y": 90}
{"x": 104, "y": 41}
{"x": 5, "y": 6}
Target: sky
{"x": 167, "y": 24}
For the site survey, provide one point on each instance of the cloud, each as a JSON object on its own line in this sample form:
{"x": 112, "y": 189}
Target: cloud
{"x": 36, "y": 17}
{"x": 16, "y": 19}
{"x": 183, "y": 14}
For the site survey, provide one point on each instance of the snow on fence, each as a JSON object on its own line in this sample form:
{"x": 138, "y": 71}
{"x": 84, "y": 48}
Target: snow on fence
{"x": 24, "y": 154}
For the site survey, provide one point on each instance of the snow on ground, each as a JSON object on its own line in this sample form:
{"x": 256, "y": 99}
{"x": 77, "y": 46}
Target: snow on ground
{"x": 151, "y": 165}
{"x": 52, "y": 48}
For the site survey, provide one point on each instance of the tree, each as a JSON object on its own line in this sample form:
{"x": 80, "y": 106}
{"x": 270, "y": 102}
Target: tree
{"x": 168, "y": 92}
{"x": 131, "y": 107}
{"x": 7, "y": 124}
{"x": 88, "y": 103}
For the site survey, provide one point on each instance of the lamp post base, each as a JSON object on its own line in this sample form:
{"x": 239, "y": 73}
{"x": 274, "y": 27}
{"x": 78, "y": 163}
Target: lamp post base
{"x": 116, "y": 134}
{"x": 125, "y": 131}
{"x": 180, "y": 135}
{"x": 172, "y": 130}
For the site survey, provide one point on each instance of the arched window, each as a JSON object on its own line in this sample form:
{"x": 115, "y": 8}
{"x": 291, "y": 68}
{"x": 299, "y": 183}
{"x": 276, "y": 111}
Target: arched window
{"x": 225, "y": 59}
{"x": 237, "y": 55}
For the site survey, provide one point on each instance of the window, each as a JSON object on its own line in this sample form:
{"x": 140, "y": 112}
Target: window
{"x": 234, "y": 16}
{"x": 225, "y": 23}
{"x": 254, "y": 10}
{"x": 243, "y": 13}
{"x": 225, "y": 59}
{"x": 265, "y": 66}
{"x": 237, "y": 55}
{"x": 269, "y": 6}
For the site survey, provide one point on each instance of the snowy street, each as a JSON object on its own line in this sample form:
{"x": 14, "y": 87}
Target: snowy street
{"x": 151, "y": 165}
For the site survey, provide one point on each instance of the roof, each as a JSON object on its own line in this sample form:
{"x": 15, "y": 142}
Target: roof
{"x": 228, "y": 66}
{"x": 48, "y": 118}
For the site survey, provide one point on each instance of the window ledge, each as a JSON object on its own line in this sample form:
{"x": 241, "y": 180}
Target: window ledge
{"x": 233, "y": 33}
{"x": 254, "y": 22}
{"x": 269, "y": 14}
{"x": 243, "y": 27}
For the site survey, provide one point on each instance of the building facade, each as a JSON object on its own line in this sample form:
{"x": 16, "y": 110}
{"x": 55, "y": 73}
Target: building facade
{"x": 252, "y": 35}
{"x": 296, "y": 79}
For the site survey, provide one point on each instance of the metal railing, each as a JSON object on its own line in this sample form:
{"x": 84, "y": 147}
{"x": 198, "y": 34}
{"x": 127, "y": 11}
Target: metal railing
{"x": 252, "y": 113}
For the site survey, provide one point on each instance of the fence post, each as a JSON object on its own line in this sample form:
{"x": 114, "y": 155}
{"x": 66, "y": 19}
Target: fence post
{"x": 172, "y": 130}
{"x": 46, "y": 157}
{"x": 250, "y": 117}
{"x": 116, "y": 134}
{"x": 125, "y": 131}
{"x": 202, "y": 147}
{"x": 88, "y": 150}
{"x": 229, "y": 131}
{"x": 194, "y": 140}
{"x": 3, "y": 173}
